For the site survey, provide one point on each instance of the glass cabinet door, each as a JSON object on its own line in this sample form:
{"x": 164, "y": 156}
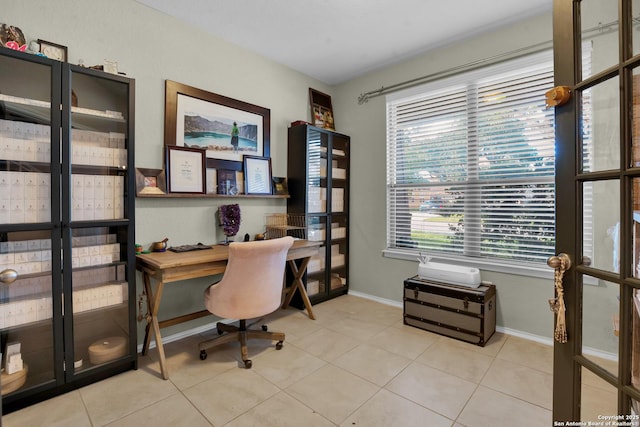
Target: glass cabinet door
{"x": 316, "y": 269}
{"x": 339, "y": 211}
{"x": 100, "y": 230}
{"x": 28, "y": 242}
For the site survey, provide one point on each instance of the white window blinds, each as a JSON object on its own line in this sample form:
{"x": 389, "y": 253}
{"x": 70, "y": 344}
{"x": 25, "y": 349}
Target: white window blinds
{"x": 470, "y": 164}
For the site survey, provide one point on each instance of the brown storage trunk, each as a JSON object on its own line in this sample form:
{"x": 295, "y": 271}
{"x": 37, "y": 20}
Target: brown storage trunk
{"x": 468, "y": 314}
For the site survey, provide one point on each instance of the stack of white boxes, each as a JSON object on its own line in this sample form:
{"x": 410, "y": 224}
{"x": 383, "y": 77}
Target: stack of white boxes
{"x": 95, "y": 197}
{"x": 98, "y": 148}
{"x": 27, "y": 300}
{"x": 316, "y": 262}
{"x": 316, "y": 233}
{"x": 25, "y": 197}
{"x": 26, "y": 256}
{"x": 338, "y": 232}
{"x": 13, "y": 359}
{"x": 337, "y": 200}
{"x": 34, "y": 256}
{"x": 96, "y": 288}
{"x": 317, "y": 199}
{"x": 89, "y": 251}
{"x": 337, "y": 259}
{"x": 25, "y": 141}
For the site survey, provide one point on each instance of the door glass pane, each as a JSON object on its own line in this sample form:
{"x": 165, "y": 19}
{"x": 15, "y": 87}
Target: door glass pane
{"x": 636, "y": 228}
{"x": 601, "y": 214}
{"x": 100, "y": 294}
{"x": 316, "y": 268}
{"x": 599, "y": 27}
{"x": 317, "y": 173}
{"x": 339, "y": 251}
{"x": 601, "y": 126}
{"x": 635, "y": 343}
{"x": 598, "y": 398}
{"x": 635, "y": 125}
{"x": 635, "y": 34}
{"x": 99, "y": 140}
{"x": 599, "y": 324}
{"x": 25, "y": 143}
{"x": 26, "y": 310}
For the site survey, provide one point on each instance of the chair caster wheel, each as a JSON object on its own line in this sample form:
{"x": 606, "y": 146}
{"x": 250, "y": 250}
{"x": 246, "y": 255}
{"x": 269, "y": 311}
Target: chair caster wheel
{"x": 203, "y": 354}
{"x": 248, "y": 364}
{"x": 265, "y": 328}
{"x": 279, "y": 345}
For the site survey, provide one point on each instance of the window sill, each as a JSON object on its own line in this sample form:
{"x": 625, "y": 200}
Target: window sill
{"x": 524, "y": 269}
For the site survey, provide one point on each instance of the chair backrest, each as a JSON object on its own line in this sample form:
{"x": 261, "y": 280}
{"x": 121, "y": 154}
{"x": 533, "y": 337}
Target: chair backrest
{"x": 253, "y": 280}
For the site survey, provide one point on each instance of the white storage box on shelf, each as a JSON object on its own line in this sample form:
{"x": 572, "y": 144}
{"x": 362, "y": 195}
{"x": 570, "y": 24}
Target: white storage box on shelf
{"x": 448, "y": 273}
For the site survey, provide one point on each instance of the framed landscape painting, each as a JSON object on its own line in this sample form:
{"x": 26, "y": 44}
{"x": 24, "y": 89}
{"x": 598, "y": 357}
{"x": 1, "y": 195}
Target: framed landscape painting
{"x": 226, "y": 128}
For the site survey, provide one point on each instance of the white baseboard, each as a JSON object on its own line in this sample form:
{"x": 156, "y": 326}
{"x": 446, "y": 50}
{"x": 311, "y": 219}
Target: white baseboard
{"x": 377, "y": 299}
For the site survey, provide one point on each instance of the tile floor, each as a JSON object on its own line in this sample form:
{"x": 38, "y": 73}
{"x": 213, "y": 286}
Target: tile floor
{"x": 356, "y": 365}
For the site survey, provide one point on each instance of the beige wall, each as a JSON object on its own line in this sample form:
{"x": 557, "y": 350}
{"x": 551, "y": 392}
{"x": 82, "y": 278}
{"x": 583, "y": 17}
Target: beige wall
{"x": 152, "y": 47}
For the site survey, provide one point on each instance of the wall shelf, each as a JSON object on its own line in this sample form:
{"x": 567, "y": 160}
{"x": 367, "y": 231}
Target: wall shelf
{"x": 212, "y": 196}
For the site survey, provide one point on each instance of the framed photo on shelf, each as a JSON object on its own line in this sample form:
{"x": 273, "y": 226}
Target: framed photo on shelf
{"x": 150, "y": 181}
{"x": 227, "y": 183}
{"x": 53, "y": 50}
{"x": 225, "y": 128}
{"x": 280, "y": 186}
{"x": 185, "y": 170}
{"x": 321, "y": 110}
{"x": 257, "y": 175}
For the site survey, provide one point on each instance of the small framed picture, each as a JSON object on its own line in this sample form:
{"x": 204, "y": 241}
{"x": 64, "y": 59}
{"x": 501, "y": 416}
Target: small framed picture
{"x": 227, "y": 183}
{"x": 257, "y": 175}
{"x": 280, "y": 186}
{"x": 185, "y": 169}
{"x": 321, "y": 110}
{"x": 150, "y": 181}
{"x": 53, "y": 50}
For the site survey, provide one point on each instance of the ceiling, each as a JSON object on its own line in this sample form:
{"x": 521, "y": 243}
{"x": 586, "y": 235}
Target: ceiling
{"x": 337, "y": 40}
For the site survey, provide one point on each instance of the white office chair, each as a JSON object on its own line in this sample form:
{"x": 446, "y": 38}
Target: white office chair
{"x": 251, "y": 287}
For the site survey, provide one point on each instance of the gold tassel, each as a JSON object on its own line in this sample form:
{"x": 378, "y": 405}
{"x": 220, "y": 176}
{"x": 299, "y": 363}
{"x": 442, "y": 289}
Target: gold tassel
{"x": 561, "y": 326}
{"x": 557, "y": 305}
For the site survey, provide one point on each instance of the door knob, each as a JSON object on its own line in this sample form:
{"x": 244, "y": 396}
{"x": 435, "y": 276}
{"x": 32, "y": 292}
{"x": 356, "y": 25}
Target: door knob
{"x": 8, "y": 276}
{"x": 557, "y": 262}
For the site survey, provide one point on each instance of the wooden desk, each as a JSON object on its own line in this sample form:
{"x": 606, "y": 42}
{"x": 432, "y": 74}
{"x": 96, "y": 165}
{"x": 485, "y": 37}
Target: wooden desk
{"x": 167, "y": 267}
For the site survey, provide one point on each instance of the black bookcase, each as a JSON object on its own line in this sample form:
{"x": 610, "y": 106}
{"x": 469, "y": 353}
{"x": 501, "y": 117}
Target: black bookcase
{"x": 67, "y": 297}
{"x": 318, "y": 181}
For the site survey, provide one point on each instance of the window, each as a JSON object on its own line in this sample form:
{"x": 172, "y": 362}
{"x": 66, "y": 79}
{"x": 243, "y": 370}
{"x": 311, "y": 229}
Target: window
{"x": 470, "y": 165}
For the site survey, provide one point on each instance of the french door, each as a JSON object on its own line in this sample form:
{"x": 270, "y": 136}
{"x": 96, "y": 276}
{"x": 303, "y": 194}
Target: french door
{"x": 597, "y": 57}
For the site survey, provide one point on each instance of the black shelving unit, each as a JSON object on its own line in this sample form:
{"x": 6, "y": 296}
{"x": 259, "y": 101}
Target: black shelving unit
{"x": 66, "y": 227}
{"x": 318, "y": 181}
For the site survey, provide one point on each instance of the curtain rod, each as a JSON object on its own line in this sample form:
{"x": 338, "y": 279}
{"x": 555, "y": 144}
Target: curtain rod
{"x": 364, "y": 97}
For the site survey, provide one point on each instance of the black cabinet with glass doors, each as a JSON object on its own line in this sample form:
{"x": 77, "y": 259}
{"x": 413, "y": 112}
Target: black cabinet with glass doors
{"x": 67, "y": 259}
{"x": 318, "y": 181}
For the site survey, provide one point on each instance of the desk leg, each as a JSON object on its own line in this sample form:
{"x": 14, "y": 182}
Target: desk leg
{"x": 147, "y": 291}
{"x": 153, "y": 303}
{"x": 297, "y": 284}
